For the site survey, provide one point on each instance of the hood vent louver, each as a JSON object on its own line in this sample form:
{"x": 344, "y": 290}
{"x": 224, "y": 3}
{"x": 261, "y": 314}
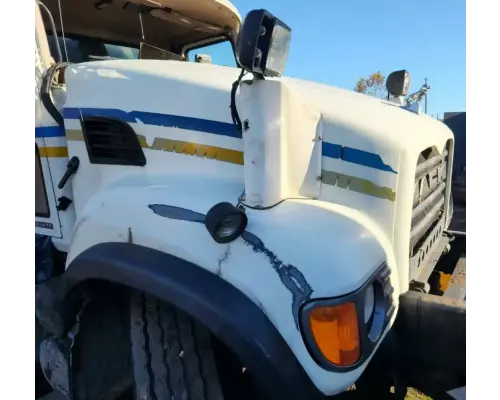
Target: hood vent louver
{"x": 111, "y": 141}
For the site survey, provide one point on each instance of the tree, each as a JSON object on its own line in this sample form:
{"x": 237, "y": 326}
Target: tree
{"x": 373, "y": 85}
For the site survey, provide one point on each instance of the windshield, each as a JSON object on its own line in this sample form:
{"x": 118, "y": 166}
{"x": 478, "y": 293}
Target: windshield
{"x": 84, "y": 49}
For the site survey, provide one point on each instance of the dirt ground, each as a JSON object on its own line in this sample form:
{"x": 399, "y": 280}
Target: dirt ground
{"x": 416, "y": 395}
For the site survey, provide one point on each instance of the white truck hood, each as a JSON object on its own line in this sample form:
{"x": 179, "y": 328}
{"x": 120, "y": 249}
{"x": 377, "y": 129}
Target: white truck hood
{"x": 349, "y": 111}
{"x": 393, "y": 137}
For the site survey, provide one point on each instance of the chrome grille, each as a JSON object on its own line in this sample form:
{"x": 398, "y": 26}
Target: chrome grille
{"x": 429, "y": 206}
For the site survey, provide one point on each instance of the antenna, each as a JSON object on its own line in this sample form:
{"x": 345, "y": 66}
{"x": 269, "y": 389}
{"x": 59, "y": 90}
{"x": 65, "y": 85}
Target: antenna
{"x": 142, "y": 26}
{"x": 62, "y": 30}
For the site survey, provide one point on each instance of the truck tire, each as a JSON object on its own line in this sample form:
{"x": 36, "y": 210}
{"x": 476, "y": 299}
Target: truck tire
{"x": 172, "y": 354}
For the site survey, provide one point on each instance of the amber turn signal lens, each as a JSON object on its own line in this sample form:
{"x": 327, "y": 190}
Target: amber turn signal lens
{"x": 335, "y": 331}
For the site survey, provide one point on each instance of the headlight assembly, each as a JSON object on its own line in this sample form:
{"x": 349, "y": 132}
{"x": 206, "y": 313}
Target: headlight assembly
{"x": 336, "y": 333}
{"x": 369, "y": 303}
{"x": 341, "y": 333}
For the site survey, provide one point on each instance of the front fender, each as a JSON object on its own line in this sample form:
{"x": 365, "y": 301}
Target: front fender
{"x": 295, "y": 252}
{"x": 223, "y": 309}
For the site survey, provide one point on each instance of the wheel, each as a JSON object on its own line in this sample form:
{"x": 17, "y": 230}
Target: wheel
{"x": 172, "y": 354}
{"x": 101, "y": 354}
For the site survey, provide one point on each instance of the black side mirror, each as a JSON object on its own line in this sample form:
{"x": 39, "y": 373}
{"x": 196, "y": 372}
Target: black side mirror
{"x": 263, "y": 44}
{"x": 398, "y": 83}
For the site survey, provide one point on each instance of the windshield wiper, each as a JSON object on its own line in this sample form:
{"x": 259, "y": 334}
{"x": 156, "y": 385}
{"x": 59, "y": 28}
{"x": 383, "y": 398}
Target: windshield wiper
{"x": 103, "y": 58}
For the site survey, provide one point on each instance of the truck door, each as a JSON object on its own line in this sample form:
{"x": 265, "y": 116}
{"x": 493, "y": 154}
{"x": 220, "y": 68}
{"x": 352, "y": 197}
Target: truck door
{"x": 54, "y": 215}
{"x": 46, "y": 215}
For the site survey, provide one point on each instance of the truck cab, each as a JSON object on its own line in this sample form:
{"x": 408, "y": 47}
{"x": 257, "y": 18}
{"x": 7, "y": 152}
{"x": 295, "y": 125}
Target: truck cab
{"x": 203, "y": 209}
{"x": 106, "y": 30}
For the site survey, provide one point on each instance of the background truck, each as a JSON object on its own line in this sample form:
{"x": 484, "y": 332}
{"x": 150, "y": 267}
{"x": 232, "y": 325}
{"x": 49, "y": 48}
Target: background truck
{"x": 226, "y": 233}
{"x": 461, "y": 125}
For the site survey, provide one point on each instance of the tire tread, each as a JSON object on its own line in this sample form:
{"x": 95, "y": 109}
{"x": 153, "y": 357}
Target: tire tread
{"x": 172, "y": 354}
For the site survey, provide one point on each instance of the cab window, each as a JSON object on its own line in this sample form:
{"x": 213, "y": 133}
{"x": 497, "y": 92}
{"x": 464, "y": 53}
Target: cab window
{"x": 217, "y": 53}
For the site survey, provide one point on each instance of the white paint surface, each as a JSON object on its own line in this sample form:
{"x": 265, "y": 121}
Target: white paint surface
{"x": 281, "y": 144}
{"x": 337, "y": 240}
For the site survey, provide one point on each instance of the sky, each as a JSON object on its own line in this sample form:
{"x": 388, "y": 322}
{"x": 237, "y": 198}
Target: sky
{"x": 339, "y": 41}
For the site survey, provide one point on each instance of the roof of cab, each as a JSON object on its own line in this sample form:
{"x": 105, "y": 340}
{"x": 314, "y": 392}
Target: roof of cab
{"x": 169, "y": 24}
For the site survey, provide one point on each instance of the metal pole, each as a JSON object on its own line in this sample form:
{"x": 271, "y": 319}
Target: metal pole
{"x": 426, "y": 97}
{"x": 54, "y": 31}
